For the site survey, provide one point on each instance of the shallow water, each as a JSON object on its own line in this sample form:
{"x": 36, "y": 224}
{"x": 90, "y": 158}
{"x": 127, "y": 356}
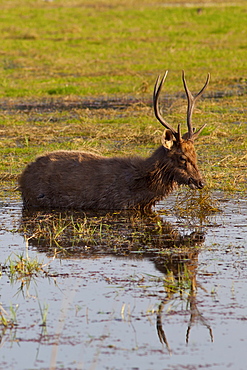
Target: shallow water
{"x": 180, "y": 307}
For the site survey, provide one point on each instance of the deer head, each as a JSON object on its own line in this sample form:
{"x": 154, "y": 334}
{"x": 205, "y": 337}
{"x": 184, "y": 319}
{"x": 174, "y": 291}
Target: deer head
{"x": 181, "y": 148}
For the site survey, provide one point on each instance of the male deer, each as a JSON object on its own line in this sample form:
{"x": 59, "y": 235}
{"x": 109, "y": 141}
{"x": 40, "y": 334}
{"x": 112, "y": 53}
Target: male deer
{"x": 79, "y": 180}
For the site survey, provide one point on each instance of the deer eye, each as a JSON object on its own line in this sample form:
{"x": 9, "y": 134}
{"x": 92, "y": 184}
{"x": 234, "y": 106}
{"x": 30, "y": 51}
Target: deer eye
{"x": 183, "y": 159}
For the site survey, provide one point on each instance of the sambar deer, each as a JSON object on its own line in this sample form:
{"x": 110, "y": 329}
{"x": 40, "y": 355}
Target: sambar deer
{"x": 80, "y": 180}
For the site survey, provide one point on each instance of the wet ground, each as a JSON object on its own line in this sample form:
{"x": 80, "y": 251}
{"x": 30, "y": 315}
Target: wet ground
{"x": 103, "y": 102}
{"x": 121, "y": 291}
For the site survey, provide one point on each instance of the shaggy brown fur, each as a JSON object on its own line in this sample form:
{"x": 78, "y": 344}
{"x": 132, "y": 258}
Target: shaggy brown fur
{"x": 71, "y": 179}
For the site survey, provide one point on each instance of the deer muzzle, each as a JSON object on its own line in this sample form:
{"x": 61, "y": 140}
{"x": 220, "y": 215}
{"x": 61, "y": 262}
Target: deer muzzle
{"x": 195, "y": 184}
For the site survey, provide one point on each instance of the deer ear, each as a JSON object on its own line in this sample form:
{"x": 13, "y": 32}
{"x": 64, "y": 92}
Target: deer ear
{"x": 167, "y": 139}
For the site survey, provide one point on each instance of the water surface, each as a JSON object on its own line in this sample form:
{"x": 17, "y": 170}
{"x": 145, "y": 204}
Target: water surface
{"x": 138, "y": 296}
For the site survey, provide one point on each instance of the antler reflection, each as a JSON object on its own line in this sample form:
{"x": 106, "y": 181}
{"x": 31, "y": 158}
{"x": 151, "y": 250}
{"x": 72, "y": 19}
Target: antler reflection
{"x": 179, "y": 286}
{"x": 196, "y": 316}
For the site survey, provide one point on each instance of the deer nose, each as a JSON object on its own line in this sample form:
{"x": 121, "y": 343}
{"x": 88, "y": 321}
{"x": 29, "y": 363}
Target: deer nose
{"x": 195, "y": 184}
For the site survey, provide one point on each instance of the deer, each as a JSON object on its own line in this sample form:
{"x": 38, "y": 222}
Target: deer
{"x": 82, "y": 180}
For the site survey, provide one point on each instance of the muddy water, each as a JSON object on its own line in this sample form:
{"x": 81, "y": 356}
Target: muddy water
{"x": 129, "y": 293}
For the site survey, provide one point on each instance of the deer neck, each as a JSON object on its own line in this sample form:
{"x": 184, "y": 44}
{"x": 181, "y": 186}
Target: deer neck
{"x": 160, "y": 172}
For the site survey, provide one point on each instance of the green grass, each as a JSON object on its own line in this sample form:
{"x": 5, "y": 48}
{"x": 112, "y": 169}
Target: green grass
{"x": 64, "y": 47}
{"x": 22, "y": 266}
{"x": 8, "y": 320}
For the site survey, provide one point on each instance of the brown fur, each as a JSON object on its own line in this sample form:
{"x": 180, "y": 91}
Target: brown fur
{"x": 73, "y": 179}
{"x": 81, "y": 180}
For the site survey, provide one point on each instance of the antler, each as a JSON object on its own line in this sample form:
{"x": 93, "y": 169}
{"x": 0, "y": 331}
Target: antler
{"x": 191, "y": 104}
{"x": 157, "y": 89}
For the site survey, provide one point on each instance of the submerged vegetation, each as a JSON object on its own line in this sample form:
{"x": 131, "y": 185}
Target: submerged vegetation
{"x": 196, "y": 207}
{"x": 8, "y": 319}
{"x": 122, "y": 233}
{"x": 21, "y": 267}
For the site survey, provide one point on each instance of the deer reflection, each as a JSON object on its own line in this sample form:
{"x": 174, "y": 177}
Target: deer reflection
{"x": 196, "y": 316}
{"x": 182, "y": 283}
{"x": 124, "y": 234}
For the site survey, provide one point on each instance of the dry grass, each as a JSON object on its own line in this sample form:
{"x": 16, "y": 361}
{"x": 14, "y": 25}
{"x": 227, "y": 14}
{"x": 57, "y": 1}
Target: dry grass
{"x": 133, "y": 131}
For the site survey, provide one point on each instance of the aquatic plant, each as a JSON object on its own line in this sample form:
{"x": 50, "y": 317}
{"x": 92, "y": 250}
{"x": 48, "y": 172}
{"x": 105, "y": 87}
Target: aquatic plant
{"x": 8, "y": 320}
{"x": 43, "y": 313}
{"x": 196, "y": 207}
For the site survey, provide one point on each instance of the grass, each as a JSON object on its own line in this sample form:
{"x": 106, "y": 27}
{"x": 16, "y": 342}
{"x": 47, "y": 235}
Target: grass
{"x": 8, "y": 320}
{"x": 74, "y": 235}
{"x": 180, "y": 284}
{"x": 221, "y": 148}
{"x": 56, "y": 54}
{"x": 196, "y": 207}
{"x": 43, "y": 313}
{"x": 21, "y": 268}
{"x": 66, "y": 48}
{"x": 24, "y": 269}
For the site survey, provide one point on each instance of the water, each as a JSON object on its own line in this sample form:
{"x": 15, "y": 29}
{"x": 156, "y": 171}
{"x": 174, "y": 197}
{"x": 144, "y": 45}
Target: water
{"x": 111, "y": 305}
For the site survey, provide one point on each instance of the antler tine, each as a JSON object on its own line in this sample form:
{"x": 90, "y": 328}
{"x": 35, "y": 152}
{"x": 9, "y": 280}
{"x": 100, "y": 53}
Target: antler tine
{"x": 157, "y": 89}
{"x": 191, "y": 104}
